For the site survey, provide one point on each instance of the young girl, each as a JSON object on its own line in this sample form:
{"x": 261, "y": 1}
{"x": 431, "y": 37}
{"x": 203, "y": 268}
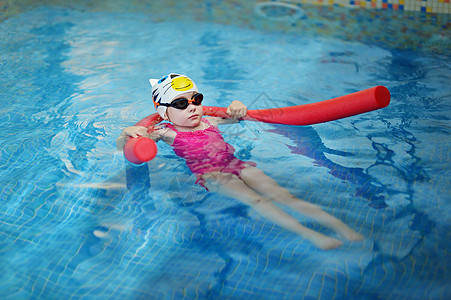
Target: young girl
{"x": 212, "y": 160}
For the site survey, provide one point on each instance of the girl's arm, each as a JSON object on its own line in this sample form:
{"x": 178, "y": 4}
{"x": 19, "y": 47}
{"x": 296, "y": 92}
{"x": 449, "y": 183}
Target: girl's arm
{"x": 136, "y": 131}
{"x": 236, "y": 110}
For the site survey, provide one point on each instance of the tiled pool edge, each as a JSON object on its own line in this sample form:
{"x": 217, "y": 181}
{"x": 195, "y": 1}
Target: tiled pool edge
{"x": 426, "y": 6}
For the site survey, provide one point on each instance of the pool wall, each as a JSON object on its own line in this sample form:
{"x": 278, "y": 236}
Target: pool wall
{"x": 397, "y": 24}
{"x": 393, "y": 28}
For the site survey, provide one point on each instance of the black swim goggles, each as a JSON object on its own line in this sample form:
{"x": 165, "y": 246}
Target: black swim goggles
{"x": 183, "y": 103}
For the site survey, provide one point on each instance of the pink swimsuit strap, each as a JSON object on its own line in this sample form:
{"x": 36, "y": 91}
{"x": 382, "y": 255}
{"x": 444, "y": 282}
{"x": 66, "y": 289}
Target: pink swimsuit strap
{"x": 197, "y": 132}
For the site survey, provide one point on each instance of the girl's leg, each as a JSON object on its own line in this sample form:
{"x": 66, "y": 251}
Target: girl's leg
{"x": 232, "y": 186}
{"x": 265, "y": 185}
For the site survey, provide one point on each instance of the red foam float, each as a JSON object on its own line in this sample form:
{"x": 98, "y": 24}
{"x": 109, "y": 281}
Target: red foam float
{"x": 140, "y": 150}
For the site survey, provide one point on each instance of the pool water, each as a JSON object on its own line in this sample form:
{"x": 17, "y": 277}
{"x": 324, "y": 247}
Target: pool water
{"x": 79, "y": 222}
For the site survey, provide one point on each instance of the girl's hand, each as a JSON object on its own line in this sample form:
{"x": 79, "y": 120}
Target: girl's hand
{"x": 134, "y": 131}
{"x": 237, "y": 109}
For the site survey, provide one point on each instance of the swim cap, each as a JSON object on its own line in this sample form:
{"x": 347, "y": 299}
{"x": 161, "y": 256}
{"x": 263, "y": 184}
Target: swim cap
{"x": 169, "y": 87}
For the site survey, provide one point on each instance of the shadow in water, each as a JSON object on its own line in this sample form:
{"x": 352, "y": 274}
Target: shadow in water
{"x": 309, "y": 144}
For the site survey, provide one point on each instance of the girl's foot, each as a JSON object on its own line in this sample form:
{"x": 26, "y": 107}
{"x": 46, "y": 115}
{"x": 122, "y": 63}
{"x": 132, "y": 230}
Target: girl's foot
{"x": 324, "y": 242}
{"x": 350, "y": 234}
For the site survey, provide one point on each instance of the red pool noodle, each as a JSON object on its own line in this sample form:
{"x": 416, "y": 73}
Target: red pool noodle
{"x": 140, "y": 150}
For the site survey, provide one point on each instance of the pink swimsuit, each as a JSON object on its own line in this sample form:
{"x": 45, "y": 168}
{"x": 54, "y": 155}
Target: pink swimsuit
{"x": 206, "y": 151}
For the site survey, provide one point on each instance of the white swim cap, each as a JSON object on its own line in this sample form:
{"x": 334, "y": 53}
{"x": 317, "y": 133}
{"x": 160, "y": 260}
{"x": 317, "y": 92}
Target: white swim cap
{"x": 169, "y": 87}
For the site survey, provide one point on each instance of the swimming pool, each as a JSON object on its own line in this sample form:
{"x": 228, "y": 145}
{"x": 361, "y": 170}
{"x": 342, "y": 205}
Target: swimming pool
{"x": 78, "y": 222}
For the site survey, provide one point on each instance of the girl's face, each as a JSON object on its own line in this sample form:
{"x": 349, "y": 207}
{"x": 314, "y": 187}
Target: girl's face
{"x": 189, "y": 117}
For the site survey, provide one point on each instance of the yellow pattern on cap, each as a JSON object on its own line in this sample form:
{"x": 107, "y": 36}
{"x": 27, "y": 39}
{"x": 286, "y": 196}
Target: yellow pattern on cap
{"x": 181, "y": 83}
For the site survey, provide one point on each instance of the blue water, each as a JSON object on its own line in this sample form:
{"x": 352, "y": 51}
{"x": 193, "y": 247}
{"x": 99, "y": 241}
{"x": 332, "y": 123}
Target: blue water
{"x": 78, "y": 222}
